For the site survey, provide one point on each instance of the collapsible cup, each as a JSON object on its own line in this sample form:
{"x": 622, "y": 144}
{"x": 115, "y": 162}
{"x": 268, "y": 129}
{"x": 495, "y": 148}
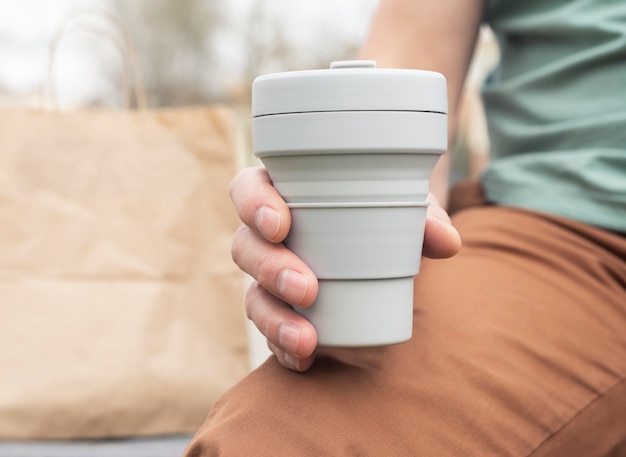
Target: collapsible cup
{"x": 351, "y": 150}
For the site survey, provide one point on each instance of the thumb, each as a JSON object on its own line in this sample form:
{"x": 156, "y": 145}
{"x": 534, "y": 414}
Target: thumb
{"x": 441, "y": 239}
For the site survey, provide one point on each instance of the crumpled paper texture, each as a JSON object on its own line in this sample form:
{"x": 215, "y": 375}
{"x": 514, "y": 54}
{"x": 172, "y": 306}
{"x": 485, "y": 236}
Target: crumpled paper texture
{"x": 120, "y": 307}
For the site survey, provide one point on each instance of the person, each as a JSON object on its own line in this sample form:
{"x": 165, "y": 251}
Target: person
{"x": 519, "y": 335}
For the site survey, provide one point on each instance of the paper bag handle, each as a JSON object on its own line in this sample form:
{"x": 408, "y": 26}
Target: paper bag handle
{"x": 123, "y": 41}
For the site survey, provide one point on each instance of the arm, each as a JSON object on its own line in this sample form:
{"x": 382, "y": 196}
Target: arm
{"x": 437, "y": 35}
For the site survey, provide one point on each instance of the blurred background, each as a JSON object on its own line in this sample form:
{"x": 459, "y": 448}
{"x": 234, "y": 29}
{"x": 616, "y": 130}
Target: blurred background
{"x": 193, "y": 52}
{"x": 189, "y": 51}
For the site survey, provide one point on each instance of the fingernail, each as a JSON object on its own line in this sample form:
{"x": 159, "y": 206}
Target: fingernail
{"x": 289, "y": 336}
{"x": 267, "y": 221}
{"x": 291, "y": 361}
{"x": 292, "y": 286}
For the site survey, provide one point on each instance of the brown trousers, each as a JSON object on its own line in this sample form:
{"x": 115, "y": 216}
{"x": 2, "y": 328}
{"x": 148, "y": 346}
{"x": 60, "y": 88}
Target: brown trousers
{"x": 518, "y": 349}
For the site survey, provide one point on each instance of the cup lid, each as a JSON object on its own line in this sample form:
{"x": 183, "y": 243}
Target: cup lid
{"x": 353, "y": 85}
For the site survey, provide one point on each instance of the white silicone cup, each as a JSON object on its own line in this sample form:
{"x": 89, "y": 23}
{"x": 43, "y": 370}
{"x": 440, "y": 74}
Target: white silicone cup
{"x": 358, "y": 240}
{"x": 358, "y": 313}
{"x": 351, "y": 156}
{"x": 347, "y": 142}
{"x": 352, "y": 177}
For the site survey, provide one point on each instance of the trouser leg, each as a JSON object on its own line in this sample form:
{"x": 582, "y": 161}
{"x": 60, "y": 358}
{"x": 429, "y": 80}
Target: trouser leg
{"x": 518, "y": 348}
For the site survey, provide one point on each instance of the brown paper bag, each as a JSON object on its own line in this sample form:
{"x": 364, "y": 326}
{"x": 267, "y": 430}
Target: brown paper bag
{"x": 120, "y": 308}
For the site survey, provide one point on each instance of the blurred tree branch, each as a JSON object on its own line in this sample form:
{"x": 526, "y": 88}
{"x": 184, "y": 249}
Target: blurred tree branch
{"x": 184, "y": 46}
{"x": 174, "y": 44}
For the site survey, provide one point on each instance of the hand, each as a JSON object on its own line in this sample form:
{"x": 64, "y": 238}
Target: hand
{"x": 282, "y": 279}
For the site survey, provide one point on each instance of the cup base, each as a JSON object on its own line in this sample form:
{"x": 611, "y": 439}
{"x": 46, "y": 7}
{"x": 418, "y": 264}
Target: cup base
{"x": 361, "y": 313}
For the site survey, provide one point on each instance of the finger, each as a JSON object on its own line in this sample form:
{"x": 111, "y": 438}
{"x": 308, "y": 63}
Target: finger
{"x": 281, "y": 325}
{"x": 289, "y": 361}
{"x": 441, "y": 239}
{"x": 259, "y": 205}
{"x": 275, "y": 267}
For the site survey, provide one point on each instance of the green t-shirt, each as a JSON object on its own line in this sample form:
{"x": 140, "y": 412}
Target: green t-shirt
{"x": 556, "y": 109}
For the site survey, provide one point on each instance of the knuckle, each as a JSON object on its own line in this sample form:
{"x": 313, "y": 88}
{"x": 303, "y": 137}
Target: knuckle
{"x": 266, "y": 270}
{"x": 260, "y": 313}
{"x": 237, "y": 246}
{"x": 235, "y": 182}
{"x": 232, "y": 186}
{"x": 249, "y": 301}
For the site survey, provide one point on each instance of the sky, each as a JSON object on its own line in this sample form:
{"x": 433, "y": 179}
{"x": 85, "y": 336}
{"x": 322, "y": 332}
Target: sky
{"x": 27, "y": 28}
